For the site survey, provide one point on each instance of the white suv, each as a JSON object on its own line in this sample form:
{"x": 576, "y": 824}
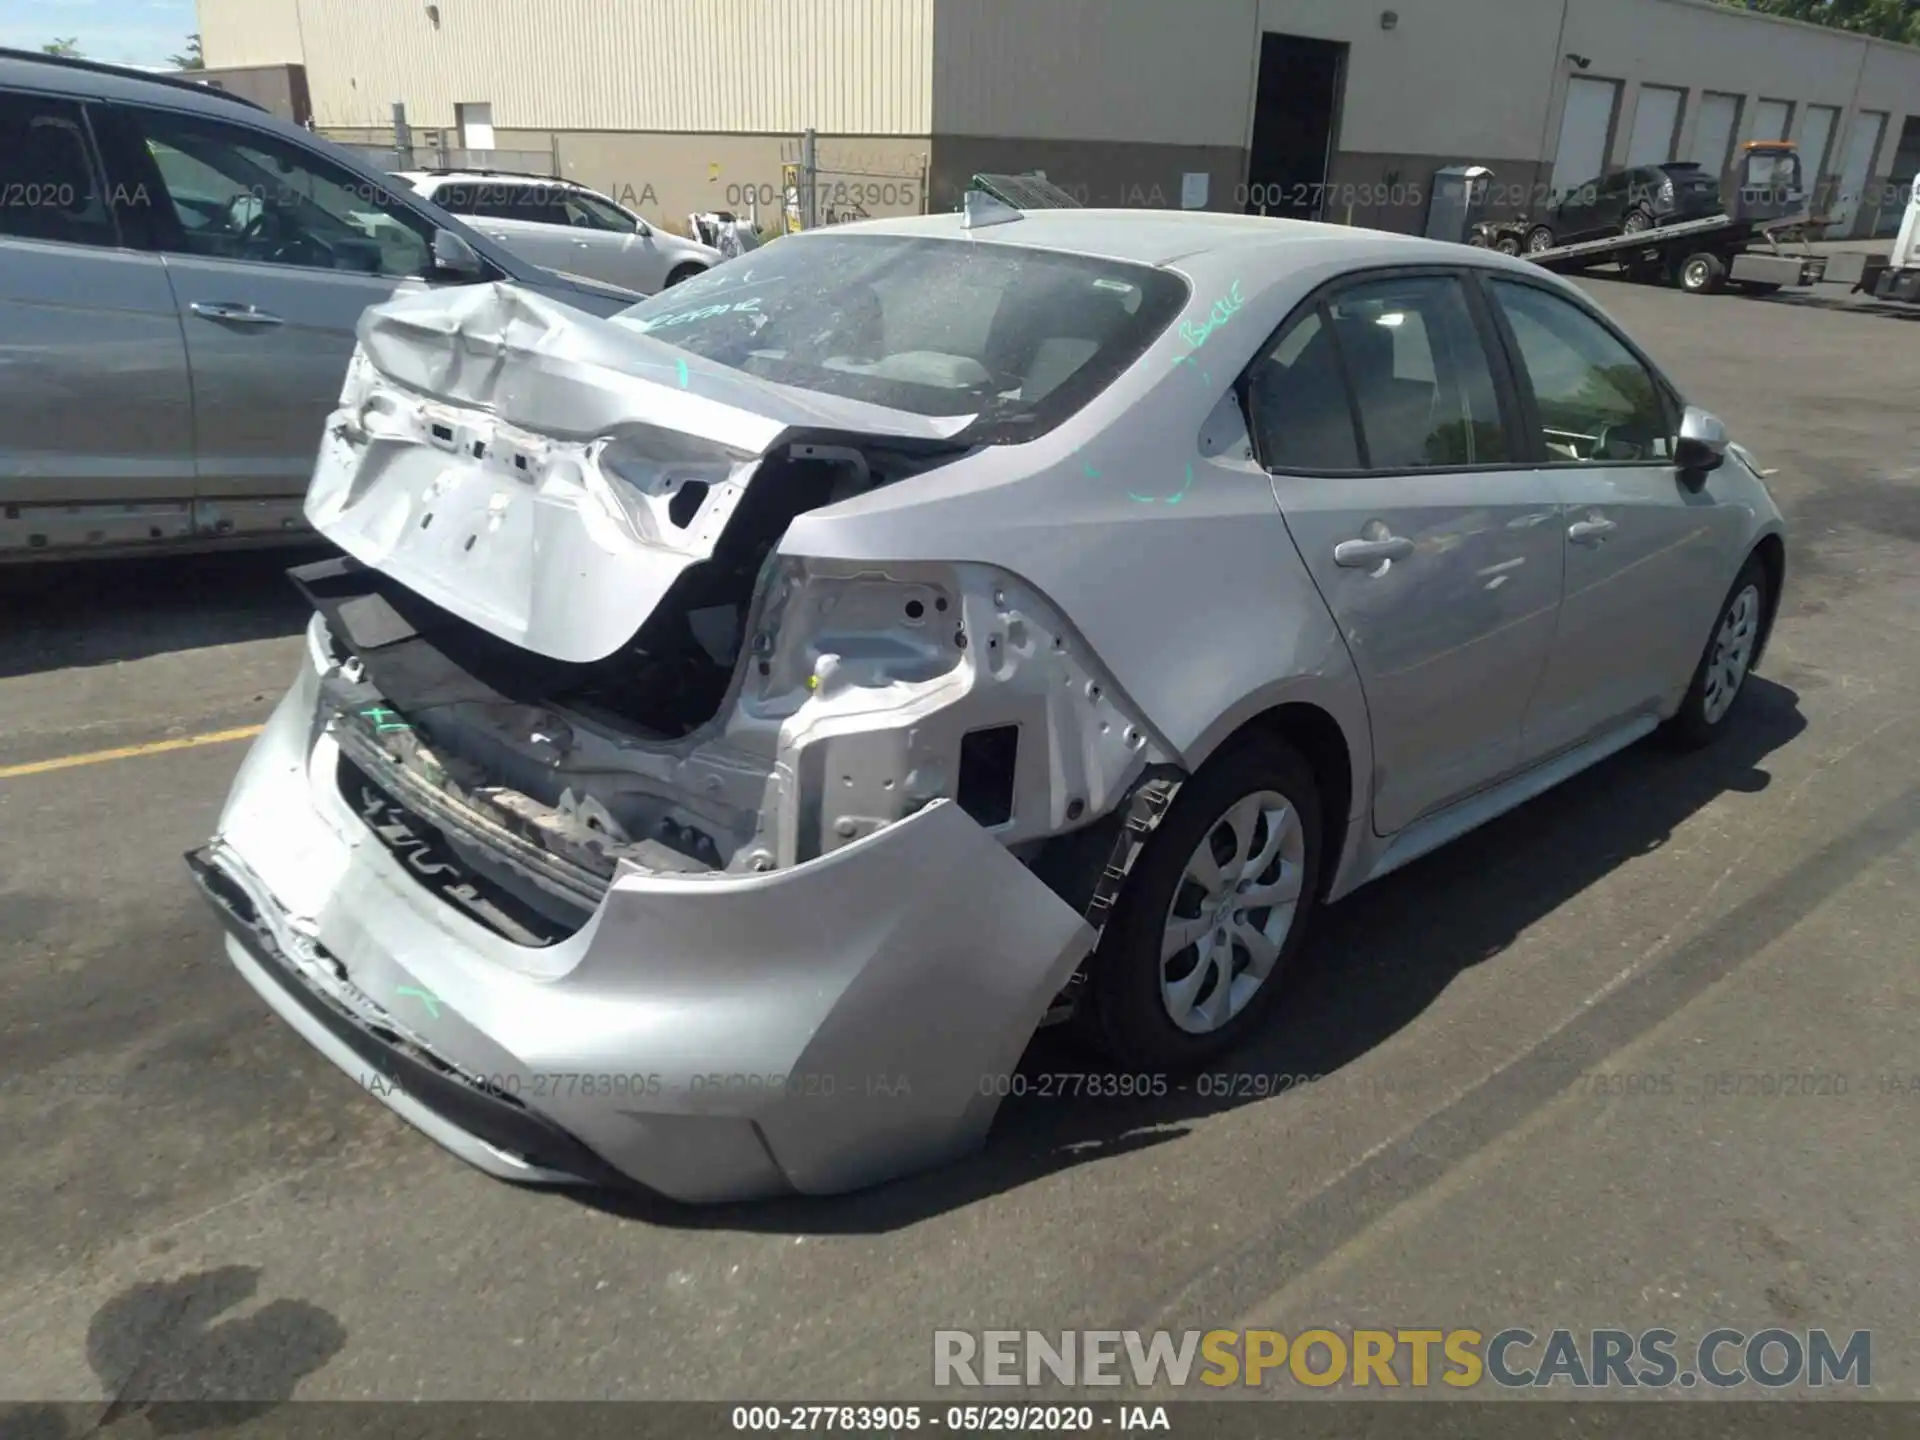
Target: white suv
{"x": 565, "y": 227}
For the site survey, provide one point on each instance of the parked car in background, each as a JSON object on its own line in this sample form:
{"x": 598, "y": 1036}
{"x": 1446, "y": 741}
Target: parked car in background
{"x": 566, "y": 227}
{"x": 181, "y": 275}
{"x": 1636, "y": 199}
{"x": 755, "y": 709}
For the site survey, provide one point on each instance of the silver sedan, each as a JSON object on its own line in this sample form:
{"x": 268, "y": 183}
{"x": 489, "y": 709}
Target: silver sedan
{"x": 737, "y": 725}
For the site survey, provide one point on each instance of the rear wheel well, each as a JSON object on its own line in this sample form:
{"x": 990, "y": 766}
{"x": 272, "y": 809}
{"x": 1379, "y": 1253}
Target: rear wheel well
{"x": 1323, "y": 745}
{"x": 684, "y": 272}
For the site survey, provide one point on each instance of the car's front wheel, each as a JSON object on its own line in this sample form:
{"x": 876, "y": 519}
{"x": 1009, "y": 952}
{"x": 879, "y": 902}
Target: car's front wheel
{"x": 1720, "y": 679}
{"x": 1638, "y": 222}
{"x": 1214, "y": 909}
{"x": 1539, "y": 238}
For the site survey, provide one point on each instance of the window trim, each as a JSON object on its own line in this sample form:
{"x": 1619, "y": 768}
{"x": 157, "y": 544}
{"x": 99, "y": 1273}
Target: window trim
{"x": 1492, "y": 343}
{"x": 1672, "y": 404}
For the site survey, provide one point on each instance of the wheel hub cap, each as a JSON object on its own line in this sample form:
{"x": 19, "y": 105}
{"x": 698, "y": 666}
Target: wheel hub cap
{"x": 1231, "y": 912}
{"x": 1731, "y": 654}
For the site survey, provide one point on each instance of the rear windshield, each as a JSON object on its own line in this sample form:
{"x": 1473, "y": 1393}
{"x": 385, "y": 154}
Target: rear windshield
{"x": 1020, "y": 338}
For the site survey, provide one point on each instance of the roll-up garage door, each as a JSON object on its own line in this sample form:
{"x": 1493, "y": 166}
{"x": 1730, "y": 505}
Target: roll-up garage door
{"x": 1584, "y": 127}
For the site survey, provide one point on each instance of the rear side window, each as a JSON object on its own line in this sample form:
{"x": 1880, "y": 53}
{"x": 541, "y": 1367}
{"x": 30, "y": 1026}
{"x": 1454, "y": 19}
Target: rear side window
{"x": 1597, "y": 403}
{"x": 1297, "y": 395}
{"x": 48, "y": 189}
{"x": 1404, "y": 358}
{"x": 1420, "y": 375}
{"x": 536, "y": 204}
{"x": 1016, "y": 337}
{"x": 454, "y": 199}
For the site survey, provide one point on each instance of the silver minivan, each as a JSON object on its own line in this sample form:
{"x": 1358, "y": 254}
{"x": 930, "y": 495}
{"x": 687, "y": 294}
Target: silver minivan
{"x": 180, "y": 278}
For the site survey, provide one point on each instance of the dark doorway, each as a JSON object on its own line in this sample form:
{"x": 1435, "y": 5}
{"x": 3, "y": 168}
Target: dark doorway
{"x": 1294, "y": 114}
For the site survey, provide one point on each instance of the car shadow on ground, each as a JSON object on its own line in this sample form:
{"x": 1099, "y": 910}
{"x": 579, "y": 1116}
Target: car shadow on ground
{"x": 1372, "y": 966}
{"x": 66, "y": 614}
{"x": 1813, "y": 300}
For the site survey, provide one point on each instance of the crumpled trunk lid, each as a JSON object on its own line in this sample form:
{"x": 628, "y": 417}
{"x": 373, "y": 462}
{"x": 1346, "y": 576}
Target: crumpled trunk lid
{"x": 543, "y": 473}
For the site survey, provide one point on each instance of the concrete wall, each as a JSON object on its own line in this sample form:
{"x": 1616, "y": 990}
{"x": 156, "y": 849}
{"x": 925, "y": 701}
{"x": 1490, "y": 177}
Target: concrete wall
{"x": 666, "y": 177}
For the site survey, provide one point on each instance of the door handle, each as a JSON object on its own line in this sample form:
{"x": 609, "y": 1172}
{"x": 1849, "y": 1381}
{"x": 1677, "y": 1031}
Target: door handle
{"x": 233, "y": 314}
{"x": 1366, "y": 554}
{"x": 1590, "y": 532}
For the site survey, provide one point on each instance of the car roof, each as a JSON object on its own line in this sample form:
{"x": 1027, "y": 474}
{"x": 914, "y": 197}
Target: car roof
{"x": 1162, "y": 237}
{"x": 97, "y": 80}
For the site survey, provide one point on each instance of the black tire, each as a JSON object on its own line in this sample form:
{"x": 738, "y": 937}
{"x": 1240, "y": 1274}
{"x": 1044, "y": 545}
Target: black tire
{"x": 1539, "y": 238}
{"x": 1123, "y": 1012}
{"x": 1698, "y": 721}
{"x": 1478, "y": 240}
{"x": 1701, "y": 273}
{"x": 1637, "y": 222}
{"x": 684, "y": 272}
{"x": 1508, "y": 245}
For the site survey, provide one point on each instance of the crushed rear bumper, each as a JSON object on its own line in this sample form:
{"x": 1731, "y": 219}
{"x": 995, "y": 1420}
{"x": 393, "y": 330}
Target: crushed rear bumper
{"x": 814, "y": 1029}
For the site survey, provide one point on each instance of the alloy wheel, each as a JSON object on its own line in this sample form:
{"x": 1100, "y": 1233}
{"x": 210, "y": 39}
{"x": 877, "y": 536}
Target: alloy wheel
{"x": 1231, "y": 912}
{"x": 1732, "y": 654}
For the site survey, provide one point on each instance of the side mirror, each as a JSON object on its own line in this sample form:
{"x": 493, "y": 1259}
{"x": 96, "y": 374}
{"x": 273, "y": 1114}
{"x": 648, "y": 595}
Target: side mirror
{"x": 452, "y": 255}
{"x": 1702, "y": 446}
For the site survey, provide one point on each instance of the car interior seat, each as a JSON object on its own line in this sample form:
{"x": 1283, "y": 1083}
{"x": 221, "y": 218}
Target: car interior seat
{"x": 1397, "y": 414}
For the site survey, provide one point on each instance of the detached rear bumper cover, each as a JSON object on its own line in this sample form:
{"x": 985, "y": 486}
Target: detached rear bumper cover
{"x": 814, "y": 1029}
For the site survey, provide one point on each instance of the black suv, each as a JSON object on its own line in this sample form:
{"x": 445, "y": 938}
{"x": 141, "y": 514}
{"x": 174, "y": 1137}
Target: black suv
{"x": 1635, "y": 199}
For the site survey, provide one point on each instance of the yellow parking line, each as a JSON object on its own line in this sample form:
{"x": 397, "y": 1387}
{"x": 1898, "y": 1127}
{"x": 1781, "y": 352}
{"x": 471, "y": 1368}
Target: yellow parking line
{"x": 130, "y": 752}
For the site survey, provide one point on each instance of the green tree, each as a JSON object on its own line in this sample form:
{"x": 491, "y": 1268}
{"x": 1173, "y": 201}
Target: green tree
{"x": 190, "y": 58}
{"x": 1883, "y": 19}
{"x": 69, "y": 46}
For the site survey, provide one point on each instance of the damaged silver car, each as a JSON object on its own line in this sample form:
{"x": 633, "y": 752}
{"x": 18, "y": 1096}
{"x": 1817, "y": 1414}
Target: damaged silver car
{"x": 735, "y": 727}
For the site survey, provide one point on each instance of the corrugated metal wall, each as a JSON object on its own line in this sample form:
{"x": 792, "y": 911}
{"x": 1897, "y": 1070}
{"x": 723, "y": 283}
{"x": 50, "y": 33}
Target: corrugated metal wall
{"x": 249, "y": 32}
{"x": 861, "y": 67}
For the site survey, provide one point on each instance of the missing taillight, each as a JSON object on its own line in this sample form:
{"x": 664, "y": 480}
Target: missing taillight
{"x": 988, "y": 760}
{"x": 686, "y": 502}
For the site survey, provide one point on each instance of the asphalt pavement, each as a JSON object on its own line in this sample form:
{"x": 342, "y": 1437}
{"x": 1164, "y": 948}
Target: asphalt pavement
{"x": 1533, "y": 1043}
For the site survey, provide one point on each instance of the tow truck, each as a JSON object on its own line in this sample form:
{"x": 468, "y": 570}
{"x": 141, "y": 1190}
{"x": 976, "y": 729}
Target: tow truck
{"x": 1749, "y": 244}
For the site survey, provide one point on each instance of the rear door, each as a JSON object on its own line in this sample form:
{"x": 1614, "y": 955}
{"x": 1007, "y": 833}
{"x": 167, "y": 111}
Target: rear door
{"x": 1644, "y": 554}
{"x": 95, "y": 407}
{"x": 1391, "y": 437}
{"x": 611, "y": 245}
{"x": 1610, "y": 203}
{"x": 1574, "y": 217}
{"x": 274, "y": 251}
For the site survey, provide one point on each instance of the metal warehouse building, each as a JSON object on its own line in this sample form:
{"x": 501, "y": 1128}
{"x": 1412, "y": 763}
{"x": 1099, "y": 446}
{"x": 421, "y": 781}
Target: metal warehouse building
{"x": 1340, "y": 108}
